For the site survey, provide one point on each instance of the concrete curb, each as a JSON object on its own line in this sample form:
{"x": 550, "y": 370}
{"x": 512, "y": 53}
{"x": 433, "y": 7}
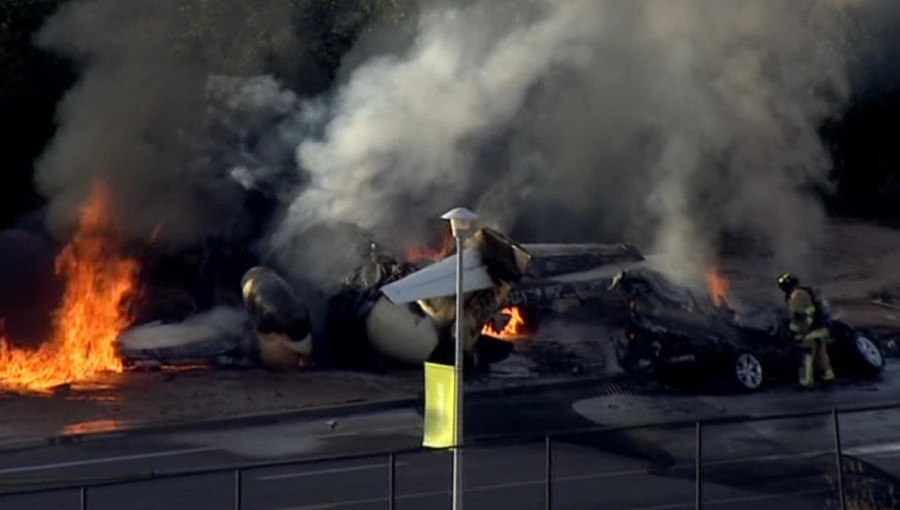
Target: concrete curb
{"x": 273, "y": 417}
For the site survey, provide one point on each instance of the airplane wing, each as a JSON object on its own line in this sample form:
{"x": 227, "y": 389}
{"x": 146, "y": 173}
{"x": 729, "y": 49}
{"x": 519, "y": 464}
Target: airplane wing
{"x": 439, "y": 279}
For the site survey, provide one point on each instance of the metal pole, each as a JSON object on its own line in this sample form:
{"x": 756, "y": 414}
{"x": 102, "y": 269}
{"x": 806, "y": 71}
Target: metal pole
{"x": 392, "y": 482}
{"x": 548, "y": 474}
{"x": 698, "y": 470}
{"x": 82, "y": 496}
{"x": 237, "y": 489}
{"x": 839, "y": 461}
{"x": 458, "y": 380}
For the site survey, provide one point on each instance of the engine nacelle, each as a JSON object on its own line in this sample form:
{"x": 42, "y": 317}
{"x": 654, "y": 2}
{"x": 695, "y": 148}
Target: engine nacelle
{"x": 279, "y": 319}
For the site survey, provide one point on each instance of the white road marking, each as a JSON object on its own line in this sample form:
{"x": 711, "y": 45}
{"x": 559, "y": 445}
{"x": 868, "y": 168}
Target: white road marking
{"x": 105, "y": 460}
{"x": 327, "y": 471}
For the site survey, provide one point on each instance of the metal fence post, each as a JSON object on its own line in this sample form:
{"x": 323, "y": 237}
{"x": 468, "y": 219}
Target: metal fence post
{"x": 82, "y": 496}
{"x": 698, "y": 467}
{"x": 839, "y": 461}
{"x": 548, "y": 473}
{"x": 392, "y": 481}
{"x": 237, "y": 489}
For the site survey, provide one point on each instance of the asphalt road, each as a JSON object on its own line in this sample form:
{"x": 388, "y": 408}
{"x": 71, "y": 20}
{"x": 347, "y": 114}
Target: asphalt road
{"x": 781, "y": 464}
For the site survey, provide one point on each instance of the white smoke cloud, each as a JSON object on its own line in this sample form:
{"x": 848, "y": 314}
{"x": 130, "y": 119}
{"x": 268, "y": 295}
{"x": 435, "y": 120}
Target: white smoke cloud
{"x": 664, "y": 122}
{"x": 671, "y": 121}
{"x": 406, "y": 128}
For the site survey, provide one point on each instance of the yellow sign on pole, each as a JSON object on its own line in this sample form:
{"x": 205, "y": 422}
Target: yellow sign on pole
{"x": 440, "y": 406}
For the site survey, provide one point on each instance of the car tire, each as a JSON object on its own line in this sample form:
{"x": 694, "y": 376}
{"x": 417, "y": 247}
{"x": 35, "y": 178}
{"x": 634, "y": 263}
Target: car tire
{"x": 866, "y": 354}
{"x": 747, "y": 371}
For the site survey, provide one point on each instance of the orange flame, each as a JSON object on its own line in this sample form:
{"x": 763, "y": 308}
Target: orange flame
{"x": 717, "y": 285}
{"x": 415, "y": 254}
{"x": 87, "y": 323}
{"x": 513, "y": 328}
{"x": 92, "y": 426}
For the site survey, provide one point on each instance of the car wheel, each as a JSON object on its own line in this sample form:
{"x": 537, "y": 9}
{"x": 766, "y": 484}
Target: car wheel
{"x": 868, "y": 355}
{"x": 747, "y": 371}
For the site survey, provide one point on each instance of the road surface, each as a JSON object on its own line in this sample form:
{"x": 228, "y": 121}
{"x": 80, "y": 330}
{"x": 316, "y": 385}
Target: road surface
{"x": 777, "y": 464}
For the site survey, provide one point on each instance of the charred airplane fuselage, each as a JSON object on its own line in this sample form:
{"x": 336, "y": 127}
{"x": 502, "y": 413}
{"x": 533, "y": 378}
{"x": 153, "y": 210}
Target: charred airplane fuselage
{"x": 392, "y": 311}
{"x": 389, "y": 311}
{"x": 273, "y": 329}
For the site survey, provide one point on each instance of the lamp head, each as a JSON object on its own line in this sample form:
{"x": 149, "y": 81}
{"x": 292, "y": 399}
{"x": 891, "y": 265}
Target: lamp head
{"x": 461, "y": 220}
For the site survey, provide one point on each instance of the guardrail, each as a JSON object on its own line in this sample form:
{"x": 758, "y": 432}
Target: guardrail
{"x": 550, "y": 440}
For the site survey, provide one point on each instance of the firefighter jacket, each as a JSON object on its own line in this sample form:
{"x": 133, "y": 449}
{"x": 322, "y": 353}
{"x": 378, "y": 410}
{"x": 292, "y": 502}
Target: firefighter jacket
{"x": 803, "y": 313}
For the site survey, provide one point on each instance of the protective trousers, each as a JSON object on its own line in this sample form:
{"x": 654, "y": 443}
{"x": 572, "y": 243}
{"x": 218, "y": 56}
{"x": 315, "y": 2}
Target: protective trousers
{"x": 815, "y": 356}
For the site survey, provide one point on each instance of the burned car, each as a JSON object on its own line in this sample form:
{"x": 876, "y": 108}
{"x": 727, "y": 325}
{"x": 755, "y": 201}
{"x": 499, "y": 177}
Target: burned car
{"x": 681, "y": 337}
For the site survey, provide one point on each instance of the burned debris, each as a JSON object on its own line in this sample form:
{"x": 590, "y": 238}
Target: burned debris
{"x": 390, "y": 311}
{"x": 363, "y": 327}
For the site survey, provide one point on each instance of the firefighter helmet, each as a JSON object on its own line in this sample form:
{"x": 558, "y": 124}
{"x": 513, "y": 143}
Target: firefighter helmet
{"x": 787, "y": 282}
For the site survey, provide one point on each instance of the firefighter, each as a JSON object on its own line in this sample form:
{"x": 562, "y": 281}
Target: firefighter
{"x": 808, "y": 324}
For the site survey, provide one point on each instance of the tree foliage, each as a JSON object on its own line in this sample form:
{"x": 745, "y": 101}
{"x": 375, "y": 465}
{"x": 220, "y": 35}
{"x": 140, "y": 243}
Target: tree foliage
{"x": 866, "y": 159}
{"x": 32, "y": 83}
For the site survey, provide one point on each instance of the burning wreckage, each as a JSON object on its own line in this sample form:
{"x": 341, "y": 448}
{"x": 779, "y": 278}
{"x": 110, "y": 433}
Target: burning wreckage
{"x": 682, "y": 337}
{"x": 389, "y": 311}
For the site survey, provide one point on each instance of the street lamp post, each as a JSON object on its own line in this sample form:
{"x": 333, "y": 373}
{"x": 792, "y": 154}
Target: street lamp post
{"x": 460, "y": 222}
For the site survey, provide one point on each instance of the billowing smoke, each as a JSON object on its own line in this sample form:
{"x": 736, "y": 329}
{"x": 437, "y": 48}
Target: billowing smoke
{"x": 670, "y": 123}
{"x": 667, "y": 121}
{"x": 139, "y": 118}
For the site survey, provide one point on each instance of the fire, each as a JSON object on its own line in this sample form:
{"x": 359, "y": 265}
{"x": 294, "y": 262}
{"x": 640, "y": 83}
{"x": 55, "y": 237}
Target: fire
{"x": 717, "y": 285}
{"x": 90, "y": 317}
{"x": 513, "y": 328}
{"x": 92, "y": 426}
{"x": 415, "y": 254}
